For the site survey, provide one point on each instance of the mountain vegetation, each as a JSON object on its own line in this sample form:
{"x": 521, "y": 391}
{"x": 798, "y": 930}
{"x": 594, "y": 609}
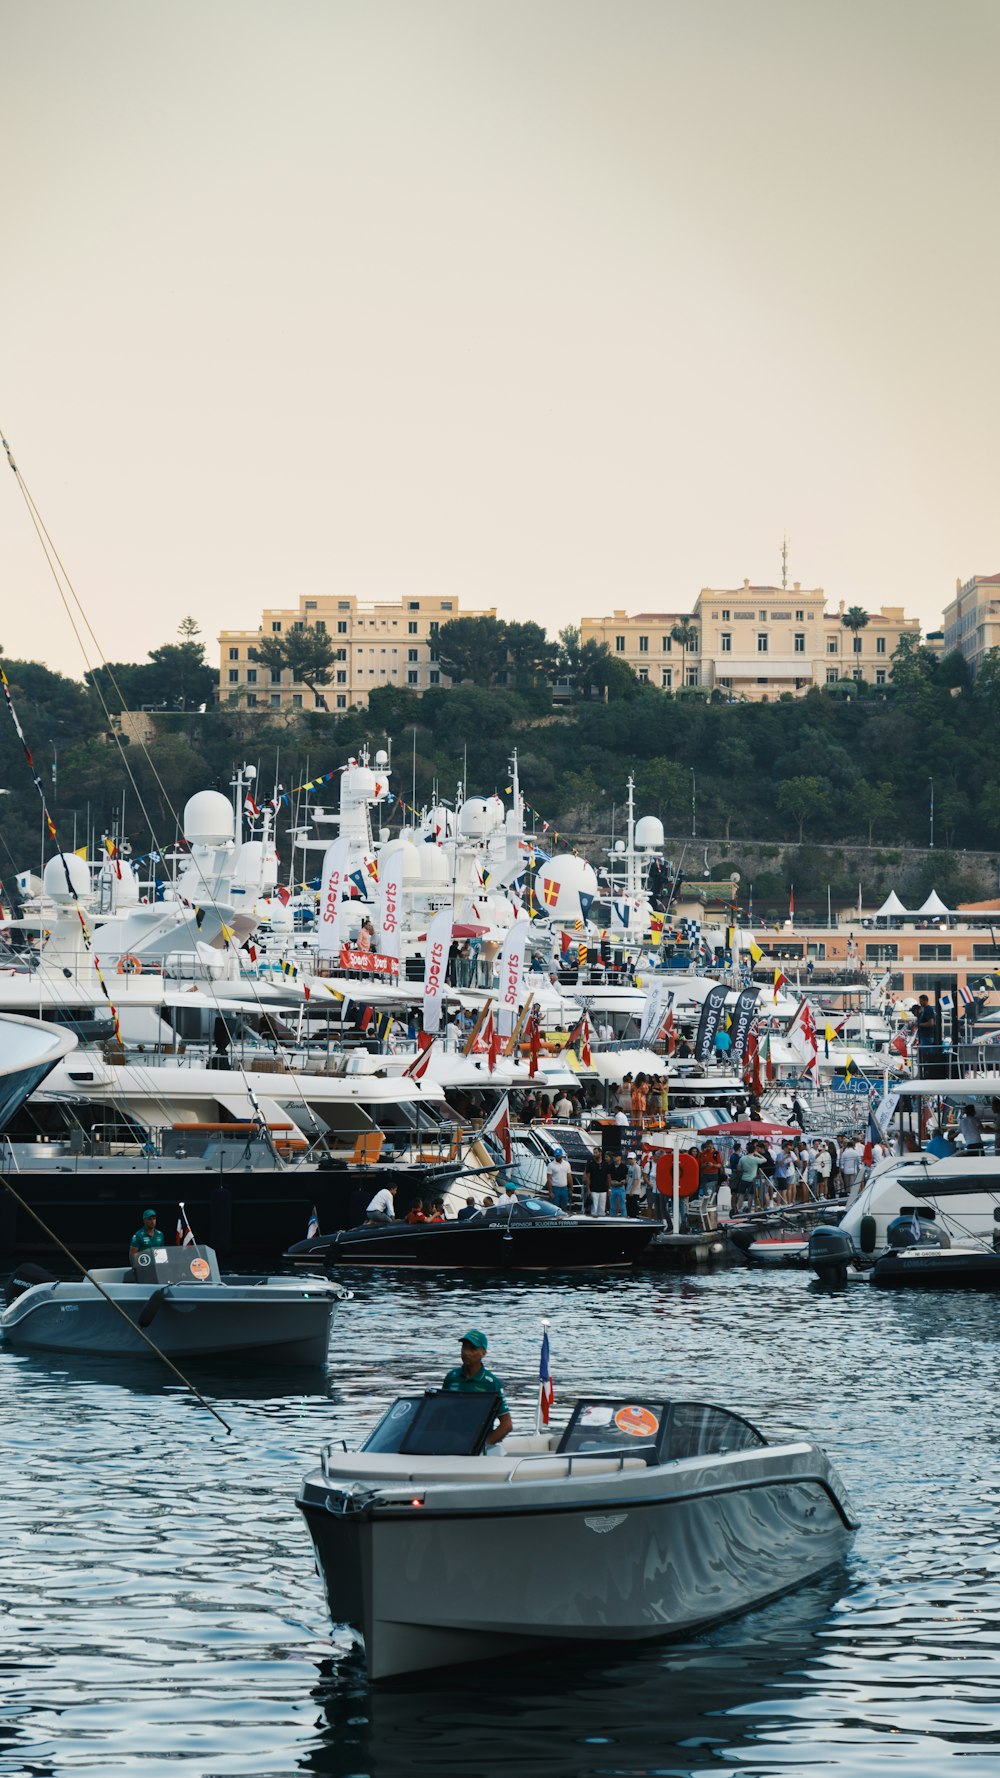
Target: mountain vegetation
{"x": 847, "y": 764}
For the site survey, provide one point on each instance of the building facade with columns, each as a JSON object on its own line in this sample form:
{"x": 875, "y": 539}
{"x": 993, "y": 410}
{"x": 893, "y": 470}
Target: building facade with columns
{"x": 379, "y": 644}
{"x": 753, "y": 642}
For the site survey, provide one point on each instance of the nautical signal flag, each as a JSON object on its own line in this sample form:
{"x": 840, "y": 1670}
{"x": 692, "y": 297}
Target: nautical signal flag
{"x": 655, "y": 928}
{"x": 780, "y": 981}
{"x": 755, "y": 951}
{"x": 550, "y": 891}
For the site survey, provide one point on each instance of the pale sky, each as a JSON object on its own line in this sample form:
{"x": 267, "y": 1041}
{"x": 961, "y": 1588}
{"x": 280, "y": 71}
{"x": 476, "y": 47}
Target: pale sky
{"x": 553, "y": 305}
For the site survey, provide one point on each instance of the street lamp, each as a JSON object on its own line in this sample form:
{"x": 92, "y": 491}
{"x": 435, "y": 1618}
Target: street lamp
{"x": 693, "y": 828}
{"x": 931, "y": 783}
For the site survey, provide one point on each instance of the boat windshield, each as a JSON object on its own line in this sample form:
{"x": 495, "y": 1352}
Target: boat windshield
{"x": 656, "y": 1431}
{"x": 442, "y": 1423}
{"x": 540, "y": 1207}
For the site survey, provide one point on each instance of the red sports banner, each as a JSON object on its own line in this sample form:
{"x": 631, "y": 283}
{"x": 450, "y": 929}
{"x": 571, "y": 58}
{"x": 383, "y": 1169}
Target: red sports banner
{"x": 366, "y": 960}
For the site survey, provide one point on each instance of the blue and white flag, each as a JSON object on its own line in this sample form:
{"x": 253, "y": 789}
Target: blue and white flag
{"x": 312, "y": 1229}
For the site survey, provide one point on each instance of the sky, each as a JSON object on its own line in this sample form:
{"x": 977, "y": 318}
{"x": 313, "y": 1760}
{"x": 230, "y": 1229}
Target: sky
{"x": 558, "y": 306}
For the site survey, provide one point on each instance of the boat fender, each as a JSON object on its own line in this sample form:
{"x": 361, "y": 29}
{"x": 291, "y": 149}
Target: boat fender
{"x": 150, "y": 1309}
{"x": 867, "y": 1234}
{"x": 24, "y": 1278}
{"x": 129, "y": 966}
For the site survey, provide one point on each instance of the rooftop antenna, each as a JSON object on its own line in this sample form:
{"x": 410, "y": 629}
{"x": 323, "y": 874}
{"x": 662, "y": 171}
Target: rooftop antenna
{"x": 784, "y": 561}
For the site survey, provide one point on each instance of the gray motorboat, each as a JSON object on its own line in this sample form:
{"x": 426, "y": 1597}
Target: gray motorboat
{"x": 179, "y": 1299}
{"x": 641, "y": 1519}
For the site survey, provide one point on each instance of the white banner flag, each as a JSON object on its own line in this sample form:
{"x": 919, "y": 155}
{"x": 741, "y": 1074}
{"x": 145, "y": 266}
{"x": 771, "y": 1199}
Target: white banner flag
{"x": 390, "y": 904}
{"x": 435, "y": 964}
{"x": 331, "y": 887}
{"x": 654, "y": 1009}
{"x": 511, "y": 964}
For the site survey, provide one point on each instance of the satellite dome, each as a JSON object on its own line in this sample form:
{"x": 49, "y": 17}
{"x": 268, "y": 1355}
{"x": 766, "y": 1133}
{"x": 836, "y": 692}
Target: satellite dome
{"x": 433, "y": 864}
{"x": 561, "y": 883}
{"x": 649, "y": 832}
{"x": 208, "y": 819}
{"x": 54, "y": 882}
{"x": 473, "y": 822}
{"x": 410, "y": 856}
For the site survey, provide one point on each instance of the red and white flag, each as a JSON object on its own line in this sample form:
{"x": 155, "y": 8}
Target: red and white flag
{"x": 497, "y": 1125}
{"x": 185, "y": 1234}
{"x": 418, "y": 1067}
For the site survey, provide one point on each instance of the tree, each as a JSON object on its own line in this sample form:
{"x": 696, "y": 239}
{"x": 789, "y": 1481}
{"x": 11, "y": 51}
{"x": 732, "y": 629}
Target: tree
{"x": 855, "y": 618}
{"x": 529, "y": 651}
{"x": 685, "y": 632}
{"x": 306, "y": 652}
{"x": 874, "y": 804}
{"x": 805, "y": 799}
{"x": 473, "y": 648}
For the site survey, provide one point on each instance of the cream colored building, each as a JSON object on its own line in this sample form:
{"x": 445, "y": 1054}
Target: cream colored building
{"x": 754, "y": 642}
{"x": 972, "y": 620}
{"x": 390, "y": 644}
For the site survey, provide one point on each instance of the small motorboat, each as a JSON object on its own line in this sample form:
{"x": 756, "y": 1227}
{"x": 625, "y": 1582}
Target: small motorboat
{"x": 919, "y": 1253}
{"x": 643, "y": 1518}
{"x": 519, "y": 1234}
{"x": 179, "y": 1299}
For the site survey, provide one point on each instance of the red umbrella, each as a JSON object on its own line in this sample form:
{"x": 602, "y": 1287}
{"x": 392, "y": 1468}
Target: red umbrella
{"x": 746, "y": 1128}
{"x": 465, "y": 929}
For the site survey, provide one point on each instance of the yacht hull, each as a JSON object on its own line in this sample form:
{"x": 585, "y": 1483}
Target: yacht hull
{"x": 266, "y": 1322}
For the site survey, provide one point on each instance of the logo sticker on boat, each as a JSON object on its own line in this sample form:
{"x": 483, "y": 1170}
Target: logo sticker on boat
{"x": 637, "y": 1421}
{"x": 200, "y": 1268}
{"x": 605, "y": 1521}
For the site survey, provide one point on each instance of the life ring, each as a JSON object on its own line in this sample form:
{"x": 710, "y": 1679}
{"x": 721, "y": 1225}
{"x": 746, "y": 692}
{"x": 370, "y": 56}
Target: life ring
{"x": 129, "y": 966}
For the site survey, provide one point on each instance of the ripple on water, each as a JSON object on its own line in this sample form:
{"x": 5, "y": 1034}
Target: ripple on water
{"x": 159, "y": 1611}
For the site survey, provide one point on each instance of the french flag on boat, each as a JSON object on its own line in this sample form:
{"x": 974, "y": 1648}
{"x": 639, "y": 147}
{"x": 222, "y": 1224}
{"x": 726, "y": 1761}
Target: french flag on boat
{"x": 546, "y": 1391}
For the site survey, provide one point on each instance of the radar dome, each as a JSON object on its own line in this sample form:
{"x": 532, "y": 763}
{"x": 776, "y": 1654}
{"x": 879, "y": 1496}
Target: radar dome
{"x": 561, "y": 883}
{"x": 433, "y": 864}
{"x": 208, "y": 819}
{"x": 410, "y": 856}
{"x": 649, "y": 832}
{"x": 54, "y": 881}
{"x": 473, "y": 823}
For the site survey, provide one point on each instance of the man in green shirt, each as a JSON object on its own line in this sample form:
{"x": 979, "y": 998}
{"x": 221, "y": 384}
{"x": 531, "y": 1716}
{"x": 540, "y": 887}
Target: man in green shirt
{"x": 148, "y": 1236}
{"x": 471, "y": 1377}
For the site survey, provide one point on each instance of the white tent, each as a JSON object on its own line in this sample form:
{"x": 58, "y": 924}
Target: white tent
{"x": 933, "y": 908}
{"x": 891, "y": 909}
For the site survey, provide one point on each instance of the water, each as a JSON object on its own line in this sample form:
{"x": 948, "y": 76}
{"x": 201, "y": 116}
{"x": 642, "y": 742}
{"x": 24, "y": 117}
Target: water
{"x": 159, "y": 1611}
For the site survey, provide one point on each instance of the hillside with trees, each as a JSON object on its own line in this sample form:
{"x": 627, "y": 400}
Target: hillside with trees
{"x": 849, "y": 764}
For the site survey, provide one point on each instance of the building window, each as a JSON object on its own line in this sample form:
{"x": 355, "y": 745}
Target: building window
{"x": 882, "y": 953}
{"x": 724, "y": 615}
{"x": 619, "y": 645}
{"x": 800, "y": 642}
{"x": 434, "y": 677}
{"x": 644, "y": 674}
{"x": 411, "y": 629}
{"x": 692, "y": 675}
{"x": 276, "y": 700}
{"x": 413, "y": 605}
{"x": 643, "y": 644}
{"x": 234, "y": 676}
{"x": 412, "y": 678}
{"x": 234, "y": 654}
{"x": 985, "y": 953}
{"x": 665, "y": 644}
{"x": 251, "y": 675}
{"x": 342, "y": 677}
{"x": 859, "y": 674}
{"x": 340, "y": 654}
{"x": 880, "y": 676}
{"x": 857, "y": 644}
{"x": 341, "y": 701}
{"x": 446, "y": 605}
{"x": 832, "y": 675}
{"x": 341, "y": 628}
{"x": 413, "y": 654}
{"x": 726, "y": 642}
{"x": 320, "y": 625}
{"x": 296, "y": 700}
{"x": 275, "y": 675}
{"x": 934, "y": 953}
{"x": 343, "y": 604}
{"x": 298, "y": 624}
{"x": 275, "y": 627}
{"x": 666, "y": 678}
{"x": 762, "y": 617}
{"x": 310, "y": 605}
{"x": 434, "y": 626}
{"x": 818, "y": 951}
{"x": 831, "y": 646}
{"x": 926, "y": 984}
{"x": 761, "y": 643}
{"x": 252, "y": 654}
{"x": 251, "y": 700}
{"x": 880, "y": 645}
{"x": 799, "y": 617}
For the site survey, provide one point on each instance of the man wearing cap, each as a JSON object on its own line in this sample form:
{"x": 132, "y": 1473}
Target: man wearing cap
{"x": 471, "y": 1377}
{"x": 148, "y": 1236}
{"x": 560, "y": 1175}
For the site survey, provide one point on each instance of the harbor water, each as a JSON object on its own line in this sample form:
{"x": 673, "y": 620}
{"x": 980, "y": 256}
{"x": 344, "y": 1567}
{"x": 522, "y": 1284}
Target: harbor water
{"x": 160, "y": 1614}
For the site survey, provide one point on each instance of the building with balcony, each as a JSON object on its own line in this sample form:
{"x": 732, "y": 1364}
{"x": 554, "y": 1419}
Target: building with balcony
{"x": 972, "y": 620}
{"x": 379, "y": 644}
{"x": 753, "y": 642}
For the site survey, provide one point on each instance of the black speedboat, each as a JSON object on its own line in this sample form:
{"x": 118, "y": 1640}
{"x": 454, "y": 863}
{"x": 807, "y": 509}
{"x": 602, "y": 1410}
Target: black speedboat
{"x": 521, "y": 1234}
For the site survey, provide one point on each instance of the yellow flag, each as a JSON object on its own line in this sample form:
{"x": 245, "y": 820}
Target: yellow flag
{"x": 227, "y": 932}
{"x": 81, "y": 852}
{"x": 755, "y": 951}
{"x": 829, "y": 1033}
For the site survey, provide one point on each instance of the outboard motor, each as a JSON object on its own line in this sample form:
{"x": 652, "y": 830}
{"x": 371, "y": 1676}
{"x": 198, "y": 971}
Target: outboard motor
{"x": 23, "y": 1279}
{"x": 831, "y": 1253}
{"x": 910, "y": 1231}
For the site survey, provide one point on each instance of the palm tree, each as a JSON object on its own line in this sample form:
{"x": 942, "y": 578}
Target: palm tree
{"x": 686, "y": 634}
{"x": 855, "y": 618}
